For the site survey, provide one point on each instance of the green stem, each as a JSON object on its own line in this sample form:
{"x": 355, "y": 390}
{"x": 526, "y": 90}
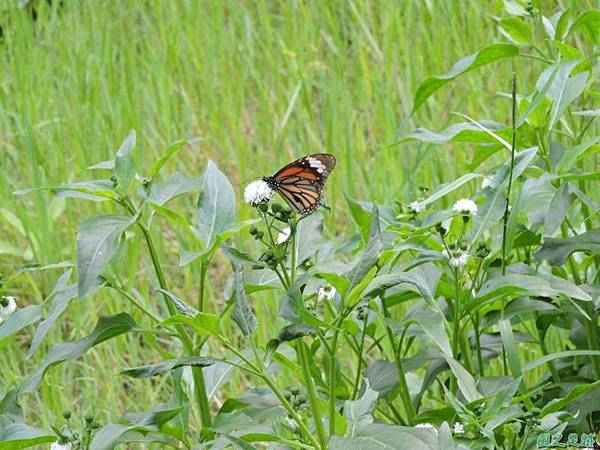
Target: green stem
{"x": 360, "y": 358}
{"x": 310, "y": 390}
{"x": 332, "y": 379}
{"x": 198, "y": 376}
{"x": 404, "y": 392}
{"x": 133, "y": 301}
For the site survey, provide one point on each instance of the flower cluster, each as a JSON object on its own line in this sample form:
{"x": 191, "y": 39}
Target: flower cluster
{"x": 457, "y": 258}
{"x": 8, "y": 305}
{"x": 465, "y": 207}
{"x": 258, "y": 192}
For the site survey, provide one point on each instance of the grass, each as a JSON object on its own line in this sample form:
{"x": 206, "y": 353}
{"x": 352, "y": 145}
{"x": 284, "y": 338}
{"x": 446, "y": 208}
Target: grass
{"x": 260, "y": 83}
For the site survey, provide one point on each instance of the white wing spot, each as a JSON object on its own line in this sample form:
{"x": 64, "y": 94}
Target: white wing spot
{"x": 315, "y": 163}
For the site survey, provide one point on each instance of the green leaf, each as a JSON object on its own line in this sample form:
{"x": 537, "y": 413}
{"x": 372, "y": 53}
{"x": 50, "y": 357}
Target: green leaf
{"x": 378, "y": 436}
{"x": 124, "y": 166}
{"x": 359, "y": 412}
{"x": 308, "y": 237}
{"x": 97, "y": 242}
{"x": 242, "y": 315}
{"x": 556, "y": 251}
{"x": 370, "y": 255}
{"x": 360, "y": 216}
{"x": 164, "y": 367}
{"x": 356, "y": 292}
{"x": 413, "y": 280}
{"x": 96, "y": 190}
{"x": 18, "y": 320}
{"x": 445, "y": 189}
{"x": 157, "y": 165}
{"x": 59, "y": 304}
{"x": 487, "y": 55}
{"x": 573, "y": 154}
{"x": 489, "y": 214}
{"x": 517, "y": 30}
{"x": 19, "y": 435}
{"x": 216, "y": 207}
{"x": 551, "y": 357}
{"x": 510, "y": 347}
{"x": 383, "y": 377}
{"x": 557, "y": 210}
{"x": 517, "y": 284}
{"x": 107, "y": 328}
{"x": 466, "y": 382}
{"x": 110, "y": 435}
{"x": 460, "y": 132}
{"x": 589, "y": 22}
{"x": 560, "y": 404}
{"x": 202, "y": 323}
{"x": 181, "y": 306}
{"x": 177, "y": 184}
{"x": 445, "y": 440}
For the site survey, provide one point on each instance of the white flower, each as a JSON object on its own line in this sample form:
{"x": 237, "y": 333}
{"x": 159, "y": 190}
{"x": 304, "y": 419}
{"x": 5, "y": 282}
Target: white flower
{"x": 283, "y": 235}
{"x": 458, "y": 428}
{"x": 465, "y": 206}
{"x": 58, "y": 446}
{"x": 258, "y": 192}
{"x": 458, "y": 259}
{"x": 325, "y": 293}
{"x": 416, "y": 207}
{"x": 426, "y": 425}
{"x": 8, "y": 305}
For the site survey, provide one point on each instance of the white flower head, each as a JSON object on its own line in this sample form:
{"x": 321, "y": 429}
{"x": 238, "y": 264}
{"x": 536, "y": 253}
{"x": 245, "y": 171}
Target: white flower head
{"x": 465, "y": 206}
{"x": 458, "y": 428}
{"x": 284, "y": 235}
{"x": 8, "y": 305}
{"x": 58, "y": 446}
{"x": 416, "y": 207}
{"x": 426, "y": 425}
{"x": 325, "y": 293}
{"x": 258, "y": 192}
{"x": 458, "y": 259}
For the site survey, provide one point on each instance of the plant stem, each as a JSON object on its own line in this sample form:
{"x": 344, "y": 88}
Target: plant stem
{"x": 332, "y": 379}
{"x": 360, "y": 358}
{"x": 134, "y": 302}
{"x": 198, "y": 376}
{"x": 404, "y": 392}
{"x": 310, "y": 390}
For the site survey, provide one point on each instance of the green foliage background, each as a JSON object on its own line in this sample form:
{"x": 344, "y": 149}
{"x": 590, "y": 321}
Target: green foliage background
{"x": 259, "y": 83}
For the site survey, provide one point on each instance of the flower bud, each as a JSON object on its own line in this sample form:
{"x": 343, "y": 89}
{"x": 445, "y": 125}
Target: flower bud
{"x": 66, "y": 414}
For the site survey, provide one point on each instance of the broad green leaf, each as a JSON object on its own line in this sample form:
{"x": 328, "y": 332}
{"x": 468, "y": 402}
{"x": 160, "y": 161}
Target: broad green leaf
{"x": 242, "y": 315}
{"x": 177, "y": 184}
{"x": 19, "y": 435}
{"x": 445, "y": 440}
{"x": 216, "y": 207}
{"x": 356, "y": 292}
{"x": 516, "y": 29}
{"x": 434, "y": 327}
{"x": 18, "y": 320}
{"x": 557, "y": 210}
{"x": 103, "y": 165}
{"x": 556, "y": 251}
{"x": 560, "y": 404}
{"x": 59, "y": 304}
{"x": 157, "y": 165}
{"x": 517, "y": 284}
{"x": 370, "y": 255}
{"x": 589, "y": 22}
{"x": 107, "y": 328}
{"x": 239, "y": 257}
{"x": 292, "y": 308}
{"x": 360, "y": 216}
{"x": 97, "y": 242}
{"x": 172, "y": 216}
{"x": 378, "y": 436}
{"x": 96, "y": 190}
{"x": 465, "y": 380}
{"x": 487, "y": 55}
{"x": 164, "y": 367}
{"x": 110, "y": 435}
{"x": 573, "y": 154}
{"x": 124, "y": 165}
{"x": 460, "y": 132}
{"x": 521, "y": 162}
{"x": 203, "y": 323}
{"x": 308, "y": 237}
{"x": 445, "y": 189}
{"x": 359, "y": 412}
{"x": 551, "y": 357}
{"x": 410, "y": 280}
{"x": 216, "y": 376}
{"x": 383, "y": 377}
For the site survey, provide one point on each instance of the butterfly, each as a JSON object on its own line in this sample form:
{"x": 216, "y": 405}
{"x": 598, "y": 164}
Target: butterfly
{"x": 301, "y": 183}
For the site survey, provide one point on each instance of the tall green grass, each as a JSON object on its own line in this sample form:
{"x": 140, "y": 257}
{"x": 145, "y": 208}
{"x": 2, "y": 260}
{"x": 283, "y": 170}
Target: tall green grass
{"x": 259, "y": 82}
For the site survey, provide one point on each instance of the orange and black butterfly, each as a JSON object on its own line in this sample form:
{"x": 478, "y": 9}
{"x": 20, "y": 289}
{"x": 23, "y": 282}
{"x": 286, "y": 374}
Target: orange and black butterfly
{"x": 301, "y": 182}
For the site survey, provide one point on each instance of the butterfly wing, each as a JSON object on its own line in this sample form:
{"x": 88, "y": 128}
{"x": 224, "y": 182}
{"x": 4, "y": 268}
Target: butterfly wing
{"x": 301, "y": 183}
